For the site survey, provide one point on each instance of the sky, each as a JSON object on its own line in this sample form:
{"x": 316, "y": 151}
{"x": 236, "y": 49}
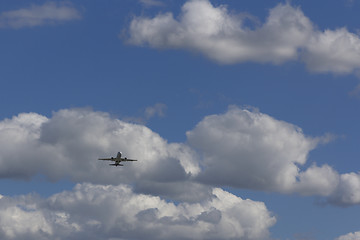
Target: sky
{"x": 243, "y": 116}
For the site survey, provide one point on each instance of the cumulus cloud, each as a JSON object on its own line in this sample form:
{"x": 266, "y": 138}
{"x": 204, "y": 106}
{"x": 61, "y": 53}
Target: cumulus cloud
{"x": 287, "y": 34}
{"x": 17, "y": 221}
{"x": 333, "y": 51}
{"x": 37, "y": 15}
{"x": 68, "y": 145}
{"x": 109, "y": 212}
{"x": 249, "y": 149}
{"x": 318, "y": 181}
{"x": 348, "y": 191}
{"x": 241, "y": 148}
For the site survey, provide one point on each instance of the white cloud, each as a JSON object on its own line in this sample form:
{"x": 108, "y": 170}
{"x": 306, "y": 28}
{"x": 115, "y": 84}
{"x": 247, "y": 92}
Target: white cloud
{"x": 104, "y": 212}
{"x": 69, "y": 143}
{"x": 19, "y": 218}
{"x": 37, "y": 15}
{"x": 240, "y": 148}
{"x": 318, "y": 181}
{"x": 333, "y": 51}
{"x": 287, "y": 34}
{"x": 348, "y": 190}
{"x": 350, "y": 236}
{"x": 250, "y": 150}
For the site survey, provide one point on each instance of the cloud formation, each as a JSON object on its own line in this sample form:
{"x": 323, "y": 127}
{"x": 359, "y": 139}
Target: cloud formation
{"x": 108, "y": 212}
{"x": 38, "y": 15}
{"x": 286, "y": 35}
{"x": 239, "y": 148}
{"x": 347, "y": 191}
{"x": 68, "y": 145}
{"x": 249, "y": 149}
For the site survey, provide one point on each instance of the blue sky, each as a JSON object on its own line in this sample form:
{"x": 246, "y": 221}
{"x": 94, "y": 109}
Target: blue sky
{"x": 243, "y": 115}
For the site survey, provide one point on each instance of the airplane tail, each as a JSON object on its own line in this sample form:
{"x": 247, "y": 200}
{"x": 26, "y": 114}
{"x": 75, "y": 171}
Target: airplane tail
{"x": 114, "y": 164}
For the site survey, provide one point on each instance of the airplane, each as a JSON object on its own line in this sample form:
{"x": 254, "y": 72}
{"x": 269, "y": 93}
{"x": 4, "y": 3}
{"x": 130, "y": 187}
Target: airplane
{"x": 117, "y": 160}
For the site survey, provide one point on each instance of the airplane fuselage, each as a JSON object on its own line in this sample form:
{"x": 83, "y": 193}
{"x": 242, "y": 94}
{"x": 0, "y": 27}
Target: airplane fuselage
{"x": 117, "y": 160}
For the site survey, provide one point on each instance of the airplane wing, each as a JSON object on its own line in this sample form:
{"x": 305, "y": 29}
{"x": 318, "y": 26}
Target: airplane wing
{"x": 128, "y": 160}
{"x": 107, "y": 159}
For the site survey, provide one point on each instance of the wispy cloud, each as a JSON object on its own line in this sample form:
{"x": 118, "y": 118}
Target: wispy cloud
{"x": 38, "y": 15}
{"x": 286, "y": 35}
{"x": 350, "y": 236}
{"x": 152, "y": 3}
{"x": 156, "y": 110}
